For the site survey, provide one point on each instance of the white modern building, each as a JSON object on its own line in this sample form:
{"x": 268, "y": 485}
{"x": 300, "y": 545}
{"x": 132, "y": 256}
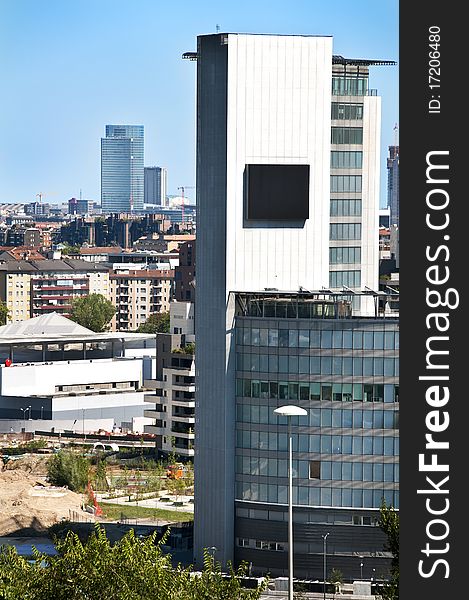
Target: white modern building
{"x": 55, "y": 374}
{"x": 288, "y": 167}
{"x": 174, "y": 396}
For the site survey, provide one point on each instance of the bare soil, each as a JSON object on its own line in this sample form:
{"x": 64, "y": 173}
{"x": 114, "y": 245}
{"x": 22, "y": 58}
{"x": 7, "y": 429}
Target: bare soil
{"x": 28, "y": 504}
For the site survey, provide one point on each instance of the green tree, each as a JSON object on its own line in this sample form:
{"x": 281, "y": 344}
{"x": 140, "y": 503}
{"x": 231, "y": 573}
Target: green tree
{"x": 389, "y": 524}
{"x": 130, "y": 569}
{"x": 70, "y": 469}
{"x": 337, "y": 579}
{"x": 70, "y": 249}
{"x": 93, "y": 311}
{"x": 4, "y": 313}
{"x": 156, "y": 323}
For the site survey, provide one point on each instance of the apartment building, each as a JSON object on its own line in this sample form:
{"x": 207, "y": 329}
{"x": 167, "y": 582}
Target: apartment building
{"x": 33, "y": 288}
{"x": 174, "y": 385}
{"x": 138, "y": 293}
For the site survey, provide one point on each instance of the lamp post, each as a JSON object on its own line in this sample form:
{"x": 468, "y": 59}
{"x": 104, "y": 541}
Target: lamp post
{"x": 23, "y": 410}
{"x": 361, "y": 569}
{"x": 324, "y": 554}
{"x": 290, "y": 411}
{"x": 29, "y": 414}
{"x": 42, "y": 412}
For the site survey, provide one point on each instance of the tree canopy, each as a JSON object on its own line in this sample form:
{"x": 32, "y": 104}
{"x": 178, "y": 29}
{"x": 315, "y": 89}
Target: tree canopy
{"x": 93, "y": 311}
{"x": 130, "y": 569}
{"x": 389, "y": 524}
{"x": 156, "y": 323}
{"x": 4, "y": 313}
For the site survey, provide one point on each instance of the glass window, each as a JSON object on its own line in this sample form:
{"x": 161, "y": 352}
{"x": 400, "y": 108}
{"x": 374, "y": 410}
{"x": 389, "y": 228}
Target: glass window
{"x": 346, "y": 444}
{"x": 293, "y": 364}
{"x": 389, "y": 367}
{"x": 367, "y": 444}
{"x": 357, "y": 418}
{"x": 378, "y": 472}
{"x": 263, "y": 337}
{"x": 326, "y": 444}
{"x": 378, "y": 367}
{"x": 314, "y": 365}
{"x": 283, "y": 338}
{"x": 326, "y": 497}
{"x": 347, "y": 366}
{"x": 367, "y": 472}
{"x": 315, "y": 391}
{"x": 345, "y": 207}
{"x": 368, "y": 419}
{"x": 314, "y": 469}
{"x": 389, "y": 340}
{"x": 283, "y": 364}
{"x": 388, "y": 472}
{"x": 367, "y": 367}
{"x": 346, "y": 135}
{"x": 326, "y": 392}
{"x": 358, "y": 340}
{"x": 336, "y": 444}
{"x": 388, "y": 446}
{"x": 336, "y": 471}
{"x": 303, "y": 364}
{"x": 336, "y": 417}
{"x": 337, "y": 365}
{"x": 346, "y": 160}
{"x": 378, "y": 393}
{"x": 293, "y": 338}
{"x": 247, "y": 388}
{"x": 357, "y": 445}
{"x": 378, "y": 340}
{"x": 293, "y": 390}
{"x": 255, "y": 336}
{"x": 326, "y": 469}
{"x": 337, "y": 339}
{"x": 273, "y": 337}
{"x": 246, "y": 337}
{"x": 326, "y": 339}
{"x": 378, "y": 446}
{"x": 347, "y": 471}
{"x": 263, "y": 363}
{"x": 326, "y": 417}
{"x": 283, "y": 390}
{"x": 314, "y": 417}
{"x": 357, "y": 471}
{"x": 273, "y": 389}
{"x": 346, "y": 183}
{"x": 303, "y": 338}
{"x": 357, "y": 498}
{"x": 368, "y": 340}
{"x": 326, "y": 365}
{"x": 273, "y": 363}
{"x": 304, "y": 387}
{"x": 358, "y": 366}
{"x": 378, "y": 421}
{"x": 314, "y": 443}
{"x": 346, "y": 418}
{"x": 345, "y": 110}
{"x": 272, "y": 441}
{"x": 357, "y": 392}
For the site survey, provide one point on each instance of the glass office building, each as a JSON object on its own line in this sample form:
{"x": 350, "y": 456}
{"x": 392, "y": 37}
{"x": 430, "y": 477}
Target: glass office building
{"x": 308, "y": 351}
{"x": 122, "y": 171}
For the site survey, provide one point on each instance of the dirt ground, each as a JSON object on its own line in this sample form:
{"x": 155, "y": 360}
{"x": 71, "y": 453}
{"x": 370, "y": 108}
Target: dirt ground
{"x": 28, "y": 504}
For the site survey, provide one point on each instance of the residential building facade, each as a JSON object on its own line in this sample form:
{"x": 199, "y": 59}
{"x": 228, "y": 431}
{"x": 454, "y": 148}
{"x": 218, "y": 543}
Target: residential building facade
{"x": 138, "y": 293}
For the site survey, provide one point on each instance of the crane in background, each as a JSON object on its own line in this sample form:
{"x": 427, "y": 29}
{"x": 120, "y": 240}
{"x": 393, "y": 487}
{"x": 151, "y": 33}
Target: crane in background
{"x": 183, "y": 188}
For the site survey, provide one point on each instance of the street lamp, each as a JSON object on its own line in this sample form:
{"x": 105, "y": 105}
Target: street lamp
{"x": 361, "y": 568}
{"x": 324, "y": 537}
{"x": 29, "y": 414}
{"x": 42, "y": 412}
{"x": 290, "y": 411}
{"x": 23, "y": 410}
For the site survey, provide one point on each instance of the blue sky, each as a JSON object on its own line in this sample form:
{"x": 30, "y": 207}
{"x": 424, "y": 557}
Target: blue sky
{"x": 70, "y": 68}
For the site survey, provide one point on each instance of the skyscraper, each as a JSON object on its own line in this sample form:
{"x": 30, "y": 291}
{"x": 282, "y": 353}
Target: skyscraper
{"x": 122, "y": 179}
{"x": 155, "y": 185}
{"x": 288, "y": 183}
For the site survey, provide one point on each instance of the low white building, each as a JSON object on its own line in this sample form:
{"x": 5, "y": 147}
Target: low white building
{"x": 55, "y": 374}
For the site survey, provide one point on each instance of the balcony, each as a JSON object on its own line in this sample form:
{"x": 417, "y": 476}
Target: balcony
{"x": 189, "y": 419}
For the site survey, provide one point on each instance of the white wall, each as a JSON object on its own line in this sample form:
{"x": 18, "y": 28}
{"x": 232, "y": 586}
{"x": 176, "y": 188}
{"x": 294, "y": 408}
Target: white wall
{"x": 182, "y": 317}
{"x": 279, "y": 112}
{"x": 40, "y": 379}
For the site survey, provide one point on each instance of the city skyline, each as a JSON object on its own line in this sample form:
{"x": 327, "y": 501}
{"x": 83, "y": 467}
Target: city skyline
{"x": 75, "y": 78}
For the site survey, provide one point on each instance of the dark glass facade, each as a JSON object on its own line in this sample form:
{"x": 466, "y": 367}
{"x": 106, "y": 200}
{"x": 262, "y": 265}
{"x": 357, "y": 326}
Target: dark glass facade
{"x": 345, "y": 373}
